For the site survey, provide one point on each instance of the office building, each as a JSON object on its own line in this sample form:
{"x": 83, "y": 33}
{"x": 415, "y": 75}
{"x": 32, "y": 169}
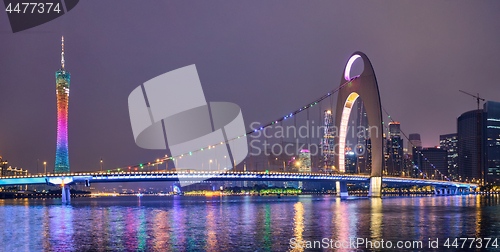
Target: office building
{"x": 449, "y": 142}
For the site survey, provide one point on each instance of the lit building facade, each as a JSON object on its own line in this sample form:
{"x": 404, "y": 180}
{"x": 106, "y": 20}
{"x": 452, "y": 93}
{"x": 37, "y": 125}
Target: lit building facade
{"x": 395, "y": 150}
{"x": 328, "y": 142}
{"x": 350, "y": 162}
{"x": 3, "y": 167}
{"x": 414, "y": 148}
{"x": 62, "y": 92}
{"x": 363, "y": 150}
{"x": 449, "y": 142}
{"x": 492, "y": 141}
{"x": 304, "y": 161}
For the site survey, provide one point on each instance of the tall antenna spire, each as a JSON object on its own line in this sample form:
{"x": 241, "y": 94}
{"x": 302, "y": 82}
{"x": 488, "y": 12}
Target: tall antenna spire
{"x": 62, "y": 52}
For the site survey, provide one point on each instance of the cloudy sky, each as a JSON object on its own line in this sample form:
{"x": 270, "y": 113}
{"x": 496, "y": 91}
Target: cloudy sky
{"x": 269, "y": 57}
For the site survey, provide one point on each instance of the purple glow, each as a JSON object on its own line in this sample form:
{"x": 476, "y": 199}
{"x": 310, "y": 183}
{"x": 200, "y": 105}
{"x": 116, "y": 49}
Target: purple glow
{"x": 349, "y": 65}
{"x": 304, "y": 150}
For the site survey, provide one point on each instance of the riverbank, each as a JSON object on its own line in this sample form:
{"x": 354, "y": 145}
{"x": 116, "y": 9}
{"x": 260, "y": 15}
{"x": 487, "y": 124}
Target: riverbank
{"x": 40, "y": 195}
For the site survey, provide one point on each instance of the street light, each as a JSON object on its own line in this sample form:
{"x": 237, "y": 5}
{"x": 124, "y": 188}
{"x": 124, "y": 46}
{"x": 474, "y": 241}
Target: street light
{"x": 209, "y": 165}
{"x": 101, "y": 163}
{"x": 45, "y": 167}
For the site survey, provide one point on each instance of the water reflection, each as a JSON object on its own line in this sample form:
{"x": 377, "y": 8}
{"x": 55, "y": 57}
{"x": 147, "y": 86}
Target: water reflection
{"x": 160, "y": 228}
{"x": 61, "y": 227}
{"x": 376, "y": 218}
{"x": 298, "y": 221}
{"x": 237, "y": 223}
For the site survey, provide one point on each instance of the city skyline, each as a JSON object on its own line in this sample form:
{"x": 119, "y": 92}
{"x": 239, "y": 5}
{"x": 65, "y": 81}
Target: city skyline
{"x": 250, "y": 125}
{"x": 108, "y": 62}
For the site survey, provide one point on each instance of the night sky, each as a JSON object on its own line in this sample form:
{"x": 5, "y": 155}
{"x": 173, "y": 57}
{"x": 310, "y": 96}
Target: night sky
{"x": 269, "y": 57}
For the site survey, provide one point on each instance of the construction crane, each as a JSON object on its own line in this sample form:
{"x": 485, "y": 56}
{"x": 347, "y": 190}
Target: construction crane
{"x": 478, "y": 137}
{"x": 475, "y": 96}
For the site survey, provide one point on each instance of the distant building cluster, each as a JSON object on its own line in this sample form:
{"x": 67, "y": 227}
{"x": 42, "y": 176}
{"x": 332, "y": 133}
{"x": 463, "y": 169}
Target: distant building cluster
{"x": 472, "y": 154}
{"x": 6, "y": 170}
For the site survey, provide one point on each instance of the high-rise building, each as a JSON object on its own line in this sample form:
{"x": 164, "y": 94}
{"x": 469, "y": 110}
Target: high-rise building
{"x": 350, "y": 162}
{"x": 394, "y": 129}
{"x": 492, "y": 141}
{"x": 470, "y": 145}
{"x": 434, "y": 162}
{"x": 414, "y": 148}
{"x": 304, "y": 161}
{"x": 394, "y": 150}
{"x": 362, "y": 150}
{"x": 449, "y": 142}
{"x": 328, "y": 142}
{"x": 415, "y": 141}
{"x": 479, "y": 144}
{"x": 408, "y": 166}
{"x": 62, "y": 92}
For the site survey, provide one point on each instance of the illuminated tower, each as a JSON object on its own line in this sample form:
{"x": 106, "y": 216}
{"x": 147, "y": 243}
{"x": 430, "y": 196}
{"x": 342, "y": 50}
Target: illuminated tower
{"x": 62, "y": 92}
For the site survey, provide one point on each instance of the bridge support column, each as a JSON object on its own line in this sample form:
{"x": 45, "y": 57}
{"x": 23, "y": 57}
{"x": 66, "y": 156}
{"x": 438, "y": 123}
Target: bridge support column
{"x": 342, "y": 189}
{"x": 375, "y": 187}
{"x": 66, "y": 195}
{"x": 436, "y": 191}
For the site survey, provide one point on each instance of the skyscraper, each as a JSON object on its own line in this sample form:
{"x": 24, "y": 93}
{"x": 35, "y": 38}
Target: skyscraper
{"x": 350, "y": 162}
{"x": 414, "y": 148}
{"x": 449, "y": 142}
{"x": 470, "y": 145}
{"x": 304, "y": 161}
{"x": 62, "y": 92}
{"x": 414, "y": 142}
{"x": 328, "y": 142}
{"x": 362, "y": 151}
{"x": 395, "y": 150}
{"x": 492, "y": 141}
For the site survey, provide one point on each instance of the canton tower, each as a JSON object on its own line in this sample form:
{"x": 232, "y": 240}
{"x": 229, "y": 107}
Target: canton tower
{"x": 62, "y": 92}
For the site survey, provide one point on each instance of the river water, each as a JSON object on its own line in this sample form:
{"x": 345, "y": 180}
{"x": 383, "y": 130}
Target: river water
{"x": 246, "y": 223}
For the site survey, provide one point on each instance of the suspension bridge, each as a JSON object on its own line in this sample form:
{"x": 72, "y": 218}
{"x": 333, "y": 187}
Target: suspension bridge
{"x": 362, "y": 86}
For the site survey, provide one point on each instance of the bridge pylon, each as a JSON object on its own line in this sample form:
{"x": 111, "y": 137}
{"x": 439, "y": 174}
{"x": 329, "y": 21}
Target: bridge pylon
{"x": 341, "y": 187}
{"x": 363, "y": 86}
{"x": 375, "y": 187}
{"x": 66, "y": 195}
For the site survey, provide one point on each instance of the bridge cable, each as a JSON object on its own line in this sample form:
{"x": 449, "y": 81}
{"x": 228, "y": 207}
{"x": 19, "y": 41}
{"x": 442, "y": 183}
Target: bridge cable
{"x": 408, "y": 139}
{"x": 297, "y": 111}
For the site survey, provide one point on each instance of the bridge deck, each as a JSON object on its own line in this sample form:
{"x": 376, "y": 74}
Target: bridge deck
{"x": 101, "y": 177}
